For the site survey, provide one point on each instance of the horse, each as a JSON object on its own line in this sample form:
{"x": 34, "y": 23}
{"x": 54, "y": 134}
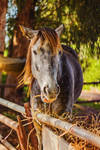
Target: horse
{"x": 52, "y": 70}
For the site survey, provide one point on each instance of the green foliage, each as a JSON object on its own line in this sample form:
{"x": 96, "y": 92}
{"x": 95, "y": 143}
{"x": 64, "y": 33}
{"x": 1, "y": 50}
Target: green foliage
{"x": 81, "y": 20}
{"x": 92, "y": 72}
{"x": 4, "y": 76}
{"x": 26, "y": 93}
{"x": 82, "y": 27}
{"x": 5, "y": 53}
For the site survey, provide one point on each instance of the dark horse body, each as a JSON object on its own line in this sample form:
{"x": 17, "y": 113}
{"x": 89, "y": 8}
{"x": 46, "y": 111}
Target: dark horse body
{"x": 53, "y": 71}
{"x": 70, "y": 80}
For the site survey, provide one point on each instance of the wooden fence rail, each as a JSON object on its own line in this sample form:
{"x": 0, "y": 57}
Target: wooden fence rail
{"x": 6, "y": 144}
{"x": 17, "y": 126}
{"x": 7, "y": 121}
{"x": 51, "y": 121}
{"x": 68, "y": 127}
{"x": 89, "y": 83}
{"x": 11, "y": 65}
{"x": 12, "y": 106}
{"x": 8, "y": 85}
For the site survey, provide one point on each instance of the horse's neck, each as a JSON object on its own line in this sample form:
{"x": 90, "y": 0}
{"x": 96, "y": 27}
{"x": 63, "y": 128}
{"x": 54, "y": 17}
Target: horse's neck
{"x": 61, "y": 67}
{"x": 69, "y": 50}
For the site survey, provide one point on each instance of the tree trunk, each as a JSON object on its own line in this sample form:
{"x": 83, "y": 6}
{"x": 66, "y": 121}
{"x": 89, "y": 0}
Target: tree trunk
{"x": 25, "y": 17}
{"x": 3, "y": 9}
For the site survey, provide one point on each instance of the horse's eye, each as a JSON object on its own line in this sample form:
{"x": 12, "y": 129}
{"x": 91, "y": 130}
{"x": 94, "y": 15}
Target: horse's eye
{"x": 42, "y": 50}
{"x": 37, "y": 68}
{"x": 35, "y": 52}
{"x": 52, "y": 63}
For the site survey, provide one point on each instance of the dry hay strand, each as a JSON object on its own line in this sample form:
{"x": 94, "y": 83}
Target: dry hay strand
{"x": 90, "y": 122}
{"x": 28, "y": 139}
{"x": 25, "y": 124}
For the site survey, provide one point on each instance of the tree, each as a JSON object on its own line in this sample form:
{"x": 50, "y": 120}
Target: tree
{"x": 25, "y": 16}
{"x": 81, "y": 20}
{"x": 3, "y": 9}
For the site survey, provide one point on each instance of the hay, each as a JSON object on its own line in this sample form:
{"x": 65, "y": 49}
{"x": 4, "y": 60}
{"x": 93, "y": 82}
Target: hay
{"x": 89, "y": 121}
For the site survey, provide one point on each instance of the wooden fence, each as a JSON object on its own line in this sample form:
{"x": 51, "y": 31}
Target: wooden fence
{"x": 11, "y": 65}
{"x": 18, "y": 126}
{"x": 50, "y": 140}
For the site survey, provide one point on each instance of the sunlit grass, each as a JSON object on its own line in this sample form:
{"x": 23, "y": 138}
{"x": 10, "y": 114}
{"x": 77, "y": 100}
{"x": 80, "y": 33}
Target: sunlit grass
{"x": 95, "y": 105}
{"x": 92, "y": 105}
{"x": 92, "y": 73}
{"x": 5, "y": 53}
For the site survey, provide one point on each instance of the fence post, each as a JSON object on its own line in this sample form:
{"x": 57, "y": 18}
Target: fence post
{"x": 21, "y": 135}
{"x": 33, "y": 137}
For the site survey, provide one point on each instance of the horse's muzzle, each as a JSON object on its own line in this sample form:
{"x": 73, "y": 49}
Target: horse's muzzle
{"x": 49, "y": 95}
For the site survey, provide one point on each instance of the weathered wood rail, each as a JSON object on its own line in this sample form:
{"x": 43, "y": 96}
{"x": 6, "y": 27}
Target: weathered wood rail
{"x": 89, "y": 83}
{"x": 18, "y": 126}
{"x": 49, "y": 121}
{"x": 6, "y": 145}
{"x": 11, "y": 65}
{"x": 68, "y": 127}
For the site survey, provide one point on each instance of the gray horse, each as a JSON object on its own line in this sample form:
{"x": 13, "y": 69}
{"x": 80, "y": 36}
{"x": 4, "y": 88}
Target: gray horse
{"x": 52, "y": 70}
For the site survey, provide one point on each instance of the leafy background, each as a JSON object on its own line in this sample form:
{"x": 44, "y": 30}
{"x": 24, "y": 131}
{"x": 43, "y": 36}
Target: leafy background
{"x": 82, "y": 28}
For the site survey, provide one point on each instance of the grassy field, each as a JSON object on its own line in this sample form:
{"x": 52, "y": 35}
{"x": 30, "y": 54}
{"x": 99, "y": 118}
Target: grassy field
{"x": 91, "y": 73}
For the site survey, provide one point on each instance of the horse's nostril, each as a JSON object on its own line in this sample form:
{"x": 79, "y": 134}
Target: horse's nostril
{"x": 45, "y": 90}
{"x": 58, "y": 89}
{"x": 53, "y": 91}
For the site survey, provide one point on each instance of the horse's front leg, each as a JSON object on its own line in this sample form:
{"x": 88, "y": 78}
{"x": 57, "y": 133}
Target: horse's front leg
{"x": 69, "y": 105}
{"x": 35, "y": 109}
{"x": 70, "y": 99}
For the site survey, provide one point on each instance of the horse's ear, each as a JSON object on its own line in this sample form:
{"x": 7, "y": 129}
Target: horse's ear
{"x": 27, "y": 32}
{"x": 59, "y": 29}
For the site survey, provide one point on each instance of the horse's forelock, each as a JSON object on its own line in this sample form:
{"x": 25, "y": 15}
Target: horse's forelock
{"x": 51, "y": 36}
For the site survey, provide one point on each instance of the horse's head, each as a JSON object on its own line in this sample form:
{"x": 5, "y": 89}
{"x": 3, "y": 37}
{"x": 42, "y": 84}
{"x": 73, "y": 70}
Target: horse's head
{"x": 43, "y": 60}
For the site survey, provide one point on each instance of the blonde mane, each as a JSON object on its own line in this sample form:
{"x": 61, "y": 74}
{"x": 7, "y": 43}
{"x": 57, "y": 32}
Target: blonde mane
{"x": 45, "y": 34}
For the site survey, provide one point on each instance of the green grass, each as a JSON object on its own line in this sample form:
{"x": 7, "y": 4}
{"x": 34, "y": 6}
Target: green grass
{"x": 93, "y": 105}
{"x": 5, "y": 53}
{"x": 92, "y": 73}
